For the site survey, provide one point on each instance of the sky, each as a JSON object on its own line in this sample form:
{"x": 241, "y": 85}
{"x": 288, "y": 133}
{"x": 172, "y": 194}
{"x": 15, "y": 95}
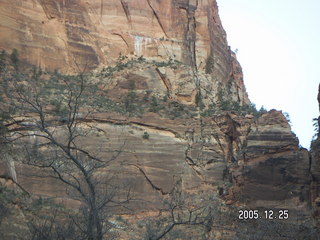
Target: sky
{"x": 278, "y": 43}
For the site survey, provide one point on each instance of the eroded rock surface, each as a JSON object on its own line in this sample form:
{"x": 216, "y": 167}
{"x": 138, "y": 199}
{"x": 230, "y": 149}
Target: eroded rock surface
{"x": 169, "y": 134}
{"x": 247, "y": 161}
{"x": 60, "y": 34}
{"x": 315, "y": 171}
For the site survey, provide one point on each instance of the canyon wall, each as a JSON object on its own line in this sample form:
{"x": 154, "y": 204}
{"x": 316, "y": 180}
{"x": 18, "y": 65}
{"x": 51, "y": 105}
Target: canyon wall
{"x": 70, "y": 36}
{"x": 315, "y": 168}
{"x": 57, "y": 34}
{"x": 188, "y": 124}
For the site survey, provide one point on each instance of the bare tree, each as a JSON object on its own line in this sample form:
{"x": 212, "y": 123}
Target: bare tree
{"x": 180, "y": 209}
{"x": 50, "y": 124}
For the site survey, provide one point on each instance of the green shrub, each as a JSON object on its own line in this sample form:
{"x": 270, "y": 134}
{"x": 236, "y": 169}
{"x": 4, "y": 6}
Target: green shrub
{"x": 14, "y": 57}
{"x": 129, "y": 102}
{"x": 198, "y": 100}
{"x": 3, "y": 57}
{"x": 165, "y": 98}
{"x": 141, "y": 59}
{"x": 226, "y": 106}
{"x": 145, "y": 135}
{"x": 229, "y": 85}
{"x": 210, "y": 111}
{"x": 287, "y": 116}
{"x": 169, "y": 63}
{"x": 154, "y": 105}
{"x": 177, "y": 234}
{"x": 132, "y": 84}
{"x": 316, "y": 128}
{"x": 209, "y": 65}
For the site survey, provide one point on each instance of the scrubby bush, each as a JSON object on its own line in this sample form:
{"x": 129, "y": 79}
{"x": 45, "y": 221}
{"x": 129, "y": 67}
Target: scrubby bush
{"x": 155, "y": 105}
{"x": 198, "y": 100}
{"x": 3, "y": 56}
{"x": 169, "y": 63}
{"x": 210, "y": 111}
{"x": 14, "y": 57}
{"x": 145, "y": 135}
{"x": 129, "y": 102}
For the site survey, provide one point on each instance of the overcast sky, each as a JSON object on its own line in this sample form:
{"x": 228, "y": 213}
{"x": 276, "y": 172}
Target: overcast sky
{"x": 278, "y": 44}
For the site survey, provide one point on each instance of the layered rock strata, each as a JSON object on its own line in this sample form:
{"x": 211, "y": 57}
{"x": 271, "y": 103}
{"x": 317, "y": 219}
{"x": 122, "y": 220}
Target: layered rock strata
{"x": 248, "y": 161}
{"x": 67, "y": 34}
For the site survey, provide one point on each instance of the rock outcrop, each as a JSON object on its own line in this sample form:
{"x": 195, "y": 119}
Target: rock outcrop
{"x": 274, "y": 172}
{"x": 255, "y": 164}
{"x": 315, "y": 169}
{"x": 182, "y": 109}
{"x": 62, "y": 34}
{"x": 74, "y": 35}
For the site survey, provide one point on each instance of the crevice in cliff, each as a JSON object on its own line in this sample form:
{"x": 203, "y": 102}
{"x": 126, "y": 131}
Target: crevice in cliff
{"x": 210, "y": 63}
{"x": 165, "y": 81}
{"x": 149, "y": 181}
{"x": 108, "y": 121}
{"x": 310, "y": 163}
{"x": 176, "y": 134}
{"x": 216, "y": 137}
{"x": 124, "y": 40}
{"x": 192, "y": 41}
{"x": 232, "y": 136}
{"x": 101, "y": 10}
{"x": 191, "y": 35}
{"x": 195, "y": 164}
{"x": 158, "y": 19}
{"x": 126, "y": 10}
{"x": 191, "y": 163}
{"x": 126, "y": 122}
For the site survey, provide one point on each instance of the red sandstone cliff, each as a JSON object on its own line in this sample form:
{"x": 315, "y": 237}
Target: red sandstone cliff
{"x": 64, "y": 35}
{"x": 54, "y": 34}
{"x": 247, "y": 161}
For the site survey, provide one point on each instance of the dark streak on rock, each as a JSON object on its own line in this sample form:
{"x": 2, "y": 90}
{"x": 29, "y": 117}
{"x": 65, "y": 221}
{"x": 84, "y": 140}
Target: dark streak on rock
{"x": 126, "y": 10}
{"x": 118, "y": 34}
{"x": 157, "y": 17}
{"x": 149, "y": 180}
{"x": 165, "y": 81}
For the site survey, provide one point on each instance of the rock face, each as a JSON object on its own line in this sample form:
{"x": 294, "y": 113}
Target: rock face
{"x": 256, "y": 164}
{"x": 274, "y": 172}
{"x": 315, "y": 171}
{"x": 245, "y": 160}
{"x": 57, "y": 34}
{"x": 74, "y": 35}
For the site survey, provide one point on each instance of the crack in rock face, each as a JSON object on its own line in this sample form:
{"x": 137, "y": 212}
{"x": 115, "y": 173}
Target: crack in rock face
{"x": 164, "y": 113}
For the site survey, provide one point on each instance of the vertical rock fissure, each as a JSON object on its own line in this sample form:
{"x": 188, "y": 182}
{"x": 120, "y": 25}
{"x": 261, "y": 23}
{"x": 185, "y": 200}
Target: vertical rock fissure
{"x": 191, "y": 35}
{"x": 158, "y": 19}
{"x": 210, "y": 60}
{"x": 150, "y": 181}
{"x": 232, "y": 135}
{"x": 187, "y": 155}
{"x": 101, "y": 9}
{"x": 126, "y": 10}
{"x": 165, "y": 81}
{"x": 216, "y": 137}
{"x": 117, "y": 34}
{"x": 191, "y": 163}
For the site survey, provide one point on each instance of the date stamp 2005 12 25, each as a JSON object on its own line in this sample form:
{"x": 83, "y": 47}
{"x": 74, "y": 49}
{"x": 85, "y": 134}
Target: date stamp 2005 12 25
{"x": 282, "y": 214}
